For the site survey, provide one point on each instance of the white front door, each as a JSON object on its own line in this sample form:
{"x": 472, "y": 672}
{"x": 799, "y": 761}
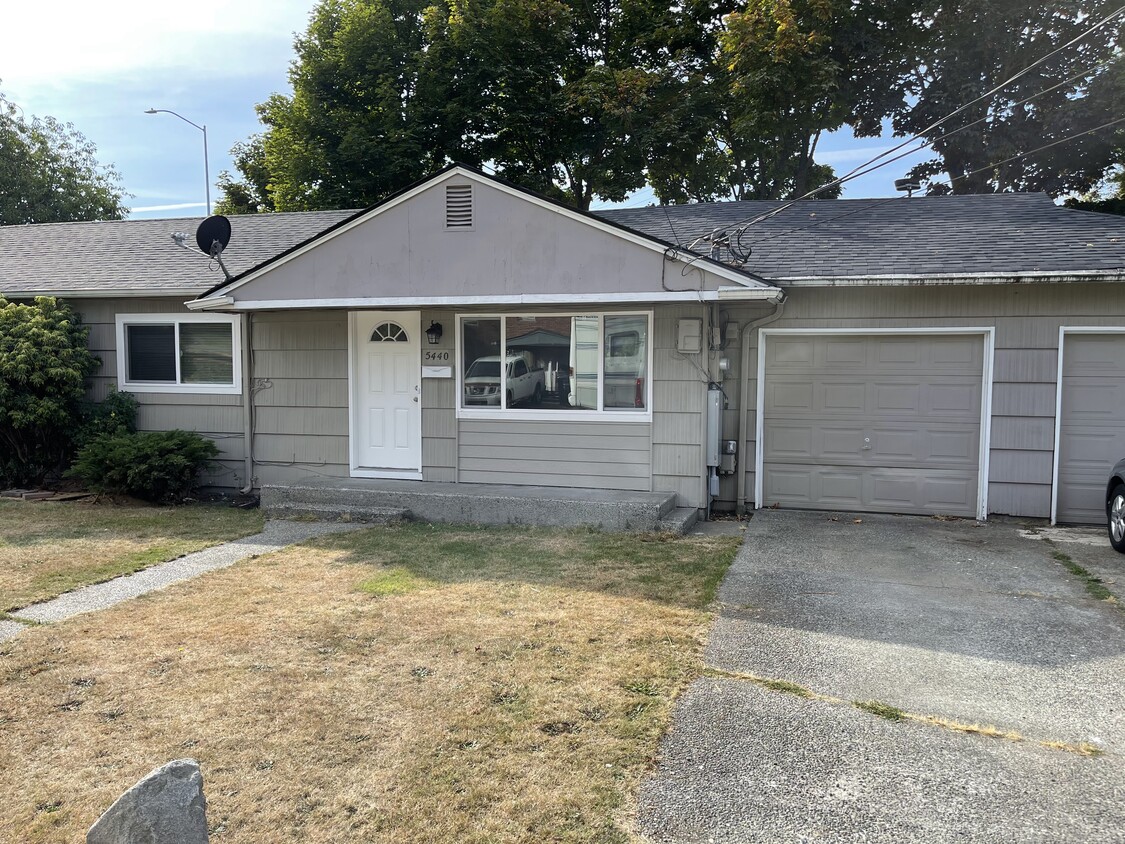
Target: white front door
{"x": 386, "y": 393}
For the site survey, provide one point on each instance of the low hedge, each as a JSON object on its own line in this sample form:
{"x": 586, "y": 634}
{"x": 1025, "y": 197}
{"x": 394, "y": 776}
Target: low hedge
{"x": 155, "y": 466}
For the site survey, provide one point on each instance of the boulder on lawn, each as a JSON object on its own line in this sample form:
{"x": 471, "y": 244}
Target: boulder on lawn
{"x": 166, "y": 807}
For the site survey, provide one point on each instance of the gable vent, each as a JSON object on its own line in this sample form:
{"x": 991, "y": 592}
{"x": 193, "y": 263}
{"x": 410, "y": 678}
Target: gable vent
{"x": 458, "y": 206}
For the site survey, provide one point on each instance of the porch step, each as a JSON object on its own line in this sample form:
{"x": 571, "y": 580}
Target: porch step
{"x": 679, "y": 521}
{"x": 339, "y": 513}
{"x": 488, "y": 504}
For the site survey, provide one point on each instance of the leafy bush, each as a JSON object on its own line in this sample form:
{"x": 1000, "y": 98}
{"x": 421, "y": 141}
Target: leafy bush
{"x": 44, "y": 364}
{"x": 156, "y": 466}
{"x": 116, "y": 414}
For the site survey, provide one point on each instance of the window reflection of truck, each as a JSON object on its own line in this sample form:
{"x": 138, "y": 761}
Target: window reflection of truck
{"x": 482, "y": 382}
{"x": 626, "y": 361}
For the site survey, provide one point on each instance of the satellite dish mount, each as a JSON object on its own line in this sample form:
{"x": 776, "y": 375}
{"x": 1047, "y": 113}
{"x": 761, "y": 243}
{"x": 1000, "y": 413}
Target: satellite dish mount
{"x": 212, "y": 238}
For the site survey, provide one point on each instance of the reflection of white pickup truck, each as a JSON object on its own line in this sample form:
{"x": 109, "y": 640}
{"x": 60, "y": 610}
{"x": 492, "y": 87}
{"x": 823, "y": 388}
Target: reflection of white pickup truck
{"x": 482, "y": 382}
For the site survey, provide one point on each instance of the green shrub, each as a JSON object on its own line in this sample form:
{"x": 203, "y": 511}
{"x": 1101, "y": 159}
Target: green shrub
{"x": 116, "y": 414}
{"x": 156, "y": 466}
{"x": 44, "y": 364}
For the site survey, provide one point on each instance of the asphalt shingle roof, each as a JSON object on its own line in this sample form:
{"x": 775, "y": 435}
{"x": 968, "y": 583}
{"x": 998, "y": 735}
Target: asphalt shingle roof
{"x": 130, "y": 255}
{"x": 1004, "y": 234}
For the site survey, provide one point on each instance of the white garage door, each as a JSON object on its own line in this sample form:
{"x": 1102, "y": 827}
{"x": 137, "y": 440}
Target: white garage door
{"x": 1091, "y": 423}
{"x": 878, "y": 423}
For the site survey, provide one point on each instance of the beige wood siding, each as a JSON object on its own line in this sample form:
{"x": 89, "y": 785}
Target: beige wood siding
{"x": 1091, "y": 423}
{"x": 300, "y": 384}
{"x": 216, "y": 417}
{"x": 1026, "y": 318}
{"x": 600, "y": 455}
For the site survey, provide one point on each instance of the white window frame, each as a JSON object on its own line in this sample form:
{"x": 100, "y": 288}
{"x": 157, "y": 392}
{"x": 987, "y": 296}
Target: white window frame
{"x": 176, "y": 320}
{"x": 536, "y": 414}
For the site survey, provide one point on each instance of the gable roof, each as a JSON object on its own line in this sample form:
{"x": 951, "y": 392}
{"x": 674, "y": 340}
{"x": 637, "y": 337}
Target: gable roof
{"x": 1007, "y": 235}
{"x": 739, "y": 275}
{"x": 139, "y": 257}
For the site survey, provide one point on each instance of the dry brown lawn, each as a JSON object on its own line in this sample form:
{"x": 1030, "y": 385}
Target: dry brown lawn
{"x": 413, "y": 683}
{"x": 48, "y": 548}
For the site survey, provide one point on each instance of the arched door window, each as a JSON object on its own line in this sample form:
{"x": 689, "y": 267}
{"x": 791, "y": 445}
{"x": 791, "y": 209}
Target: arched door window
{"x": 389, "y": 332}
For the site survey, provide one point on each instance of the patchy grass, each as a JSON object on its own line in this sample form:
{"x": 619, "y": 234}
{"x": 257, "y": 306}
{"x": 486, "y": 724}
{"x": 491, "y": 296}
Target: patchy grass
{"x": 50, "y": 548}
{"x": 406, "y": 683}
{"x": 1094, "y": 584}
{"x": 883, "y": 710}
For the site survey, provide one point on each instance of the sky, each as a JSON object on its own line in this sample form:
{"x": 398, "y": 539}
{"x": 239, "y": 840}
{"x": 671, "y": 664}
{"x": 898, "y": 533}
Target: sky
{"x": 100, "y": 65}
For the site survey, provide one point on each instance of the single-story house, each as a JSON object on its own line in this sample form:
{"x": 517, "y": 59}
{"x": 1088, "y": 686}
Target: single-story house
{"x": 955, "y": 355}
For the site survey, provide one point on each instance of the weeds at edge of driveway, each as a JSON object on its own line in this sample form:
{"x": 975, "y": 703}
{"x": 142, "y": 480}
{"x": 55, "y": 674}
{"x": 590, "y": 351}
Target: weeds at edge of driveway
{"x": 1094, "y": 584}
{"x": 893, "y": 713}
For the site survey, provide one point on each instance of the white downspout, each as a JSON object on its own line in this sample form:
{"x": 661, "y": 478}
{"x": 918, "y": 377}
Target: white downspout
{"x": 743, "y": 398}
{"x": 247, "y": 408}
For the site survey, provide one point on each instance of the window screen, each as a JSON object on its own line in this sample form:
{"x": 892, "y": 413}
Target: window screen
{"x": 206, "y": 353}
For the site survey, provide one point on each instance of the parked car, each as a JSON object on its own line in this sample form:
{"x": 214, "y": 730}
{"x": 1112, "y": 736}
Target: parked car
{"x": 1115, "y": 506}
{"x": 482, "y": 382}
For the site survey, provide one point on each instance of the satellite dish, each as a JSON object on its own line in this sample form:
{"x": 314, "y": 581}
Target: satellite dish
{"x": 213, "y": 235}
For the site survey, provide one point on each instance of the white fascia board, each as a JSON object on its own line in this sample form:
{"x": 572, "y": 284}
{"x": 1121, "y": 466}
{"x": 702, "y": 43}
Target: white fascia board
{"x": 210, "y": 304}
{"x": 729, "y": 274}
{"x": 102, "y": 293}
{"x": 965, "y": 279}
{"x": 763, "y": 294}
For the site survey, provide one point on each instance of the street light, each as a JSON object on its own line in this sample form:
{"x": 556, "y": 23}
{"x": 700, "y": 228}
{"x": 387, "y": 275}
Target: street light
{"x": 203, "y": 129}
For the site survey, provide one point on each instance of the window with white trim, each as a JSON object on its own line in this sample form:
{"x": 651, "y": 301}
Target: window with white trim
{"x": 179, "y": 353}
{"x": 555, "y": 365}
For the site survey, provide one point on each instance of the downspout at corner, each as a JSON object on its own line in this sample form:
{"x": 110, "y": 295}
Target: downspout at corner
{"x": 247, "y": 408}
{"x": 743, "y": 397}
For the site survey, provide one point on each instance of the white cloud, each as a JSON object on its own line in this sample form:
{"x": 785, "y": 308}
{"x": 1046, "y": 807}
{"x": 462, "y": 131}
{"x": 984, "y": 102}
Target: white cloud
{"x": 179, "y": 206}
{"x": 51, "y": 43}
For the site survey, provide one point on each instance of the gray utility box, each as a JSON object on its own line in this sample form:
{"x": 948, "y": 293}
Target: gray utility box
{"x": 714, "y": 425}
{"x": 728, "y": 460}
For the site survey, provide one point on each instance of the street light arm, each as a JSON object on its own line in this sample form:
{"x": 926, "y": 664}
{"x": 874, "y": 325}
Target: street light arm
{"x": 174, "y": 114}
{"x": 206, "y": 164}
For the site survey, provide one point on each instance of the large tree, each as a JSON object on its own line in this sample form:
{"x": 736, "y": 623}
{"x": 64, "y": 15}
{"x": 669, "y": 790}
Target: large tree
{"x": 781, "y": 73}
{"x": 49, "y": 173}
{"x": 971, "y": 46}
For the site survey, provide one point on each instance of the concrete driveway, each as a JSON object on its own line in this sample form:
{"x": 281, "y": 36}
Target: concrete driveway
{"x": 975, "y": 624}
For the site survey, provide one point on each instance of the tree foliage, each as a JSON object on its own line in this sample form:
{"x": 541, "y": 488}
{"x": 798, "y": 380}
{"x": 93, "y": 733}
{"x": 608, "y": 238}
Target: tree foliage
{"x": 967, "y": 47}
{"x": 49, "y": 173}
{"x": 44, "y": 364}
{"x": 703, "y": 99}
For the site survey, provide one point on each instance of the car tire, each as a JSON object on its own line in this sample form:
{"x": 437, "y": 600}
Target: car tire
{"x": 1115, "y": 518}
{"x": 509, "y": 397}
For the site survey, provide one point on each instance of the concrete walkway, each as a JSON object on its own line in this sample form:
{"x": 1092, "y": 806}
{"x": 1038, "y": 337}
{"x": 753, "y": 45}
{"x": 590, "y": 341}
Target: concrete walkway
{"x": 275, "y": 535}
{"x": 975, "y": 623}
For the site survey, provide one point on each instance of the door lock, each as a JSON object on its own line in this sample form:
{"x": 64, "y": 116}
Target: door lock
{"x": 866, "y": 444}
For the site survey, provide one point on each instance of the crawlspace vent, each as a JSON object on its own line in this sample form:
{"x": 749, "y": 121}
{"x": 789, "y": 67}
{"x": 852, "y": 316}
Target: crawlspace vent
{"x": 458, "y": 206}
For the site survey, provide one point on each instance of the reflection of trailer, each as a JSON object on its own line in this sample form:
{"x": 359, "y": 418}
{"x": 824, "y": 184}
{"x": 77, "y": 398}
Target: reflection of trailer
{"x": 584, "y": 362}
{"x": 626, "y": 360}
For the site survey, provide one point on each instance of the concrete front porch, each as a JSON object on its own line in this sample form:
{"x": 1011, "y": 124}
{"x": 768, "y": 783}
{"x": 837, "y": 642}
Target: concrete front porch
{"x": 373, "y": 500}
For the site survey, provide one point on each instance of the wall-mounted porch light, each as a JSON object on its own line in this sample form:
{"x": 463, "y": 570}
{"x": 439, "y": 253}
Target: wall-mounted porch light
{"x": 433, "y": 333}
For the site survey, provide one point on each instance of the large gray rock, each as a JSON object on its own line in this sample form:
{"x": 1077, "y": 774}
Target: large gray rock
{"x": 166, "y": 807}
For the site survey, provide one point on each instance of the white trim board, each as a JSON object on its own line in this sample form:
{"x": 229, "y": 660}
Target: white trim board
{"x": 1063, "y": 331}
{"x": 726, "y": 294}
{"x": 987, "y": 333}
{"x": 461, "y": 173}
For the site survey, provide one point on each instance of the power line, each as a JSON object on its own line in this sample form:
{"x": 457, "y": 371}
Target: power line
{"x": 856, "y": 172}
{"x": 949, "y": 181}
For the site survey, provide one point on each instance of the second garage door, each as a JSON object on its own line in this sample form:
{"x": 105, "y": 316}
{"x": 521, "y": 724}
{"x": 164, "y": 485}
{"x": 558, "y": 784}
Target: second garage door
{"x": 878, "y": 423}
{"x": 1091, "y": 423}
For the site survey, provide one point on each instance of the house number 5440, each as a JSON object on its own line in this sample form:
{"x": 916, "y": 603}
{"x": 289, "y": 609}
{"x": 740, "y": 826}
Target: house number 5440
{"x": 429, "y": 357}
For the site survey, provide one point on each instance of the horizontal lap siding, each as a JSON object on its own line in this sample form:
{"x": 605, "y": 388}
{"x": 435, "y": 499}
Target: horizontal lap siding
{"x": 216, "y": 417}
{"x": 1026, "y": 319}
{"x": 439, "y": 422}
{"x": 679, "y": 394}
{"x": 601, "y": 455}
{"x": 300, "y": 370}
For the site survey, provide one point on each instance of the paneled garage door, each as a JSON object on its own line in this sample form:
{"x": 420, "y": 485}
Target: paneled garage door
{"x": 1091, "y": 423}
{"x": 880, "y": 423}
